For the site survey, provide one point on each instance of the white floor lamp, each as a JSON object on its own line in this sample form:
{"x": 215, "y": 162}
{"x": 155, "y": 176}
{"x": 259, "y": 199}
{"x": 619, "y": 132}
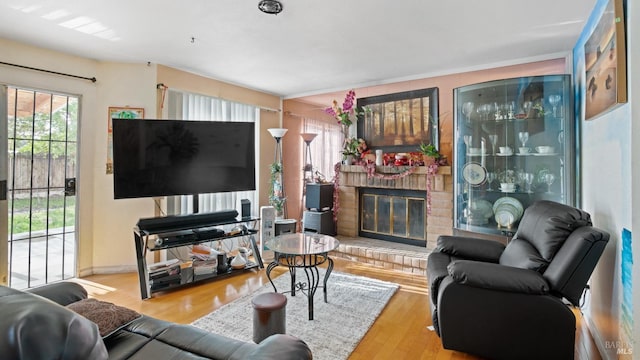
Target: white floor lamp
{"x": 278, "y": 194}
{"x": 307, "y": 170}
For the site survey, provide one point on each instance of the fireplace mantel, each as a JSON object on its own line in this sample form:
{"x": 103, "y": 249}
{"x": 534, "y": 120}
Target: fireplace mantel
{"x": 356, "y": 175}
{"x": 353, "y": 177}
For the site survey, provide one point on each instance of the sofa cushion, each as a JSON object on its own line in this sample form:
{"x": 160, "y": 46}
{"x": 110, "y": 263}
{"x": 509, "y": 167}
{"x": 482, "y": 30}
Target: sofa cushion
{"x": 109, "y": 317}
{"x": 150, "y": 338}
{"x": 33, "y": 327}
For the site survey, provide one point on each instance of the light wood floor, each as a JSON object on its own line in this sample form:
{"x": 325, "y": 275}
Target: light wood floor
{"x": 399, "y": 333}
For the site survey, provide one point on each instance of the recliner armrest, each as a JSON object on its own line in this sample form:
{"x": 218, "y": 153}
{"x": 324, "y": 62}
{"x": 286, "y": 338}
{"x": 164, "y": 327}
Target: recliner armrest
{"x": 470, "y": 248}
{"x": 498, "y": 277}
{"x": 63, "y": 293}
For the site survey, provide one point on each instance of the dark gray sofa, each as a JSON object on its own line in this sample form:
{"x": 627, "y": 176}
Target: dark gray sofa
{"x": 36, "y": 324}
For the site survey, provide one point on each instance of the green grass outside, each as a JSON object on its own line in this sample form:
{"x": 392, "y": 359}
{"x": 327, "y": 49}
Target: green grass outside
{"x": 57, "y": 213}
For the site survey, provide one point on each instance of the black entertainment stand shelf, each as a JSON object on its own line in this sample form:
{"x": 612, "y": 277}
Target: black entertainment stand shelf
{"x": 143, "y": 244}
{"x": 151, "y": 246}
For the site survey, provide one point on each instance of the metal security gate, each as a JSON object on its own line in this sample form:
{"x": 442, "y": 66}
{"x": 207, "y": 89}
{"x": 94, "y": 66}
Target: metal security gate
{"x": 42, "y": 141}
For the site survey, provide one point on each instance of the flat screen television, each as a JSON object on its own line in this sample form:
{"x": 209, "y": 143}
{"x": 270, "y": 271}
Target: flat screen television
{"x": 181, "y": 157}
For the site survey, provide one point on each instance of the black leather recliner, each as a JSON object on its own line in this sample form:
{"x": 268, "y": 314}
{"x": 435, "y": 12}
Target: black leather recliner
{"x": 507, "y": 302}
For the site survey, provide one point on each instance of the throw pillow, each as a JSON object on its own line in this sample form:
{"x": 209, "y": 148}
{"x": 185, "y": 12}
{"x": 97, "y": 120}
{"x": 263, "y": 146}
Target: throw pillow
{"x": 109, "y": 317}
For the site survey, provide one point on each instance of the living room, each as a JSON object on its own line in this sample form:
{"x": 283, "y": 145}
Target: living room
{"x": 105, "y": 243}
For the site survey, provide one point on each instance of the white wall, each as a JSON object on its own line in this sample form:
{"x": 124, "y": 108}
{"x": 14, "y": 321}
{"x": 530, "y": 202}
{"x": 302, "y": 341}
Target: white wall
{"x": 609, "y": 164}
{"x": 606, "y": 155}
{"x": 120, "y": 85}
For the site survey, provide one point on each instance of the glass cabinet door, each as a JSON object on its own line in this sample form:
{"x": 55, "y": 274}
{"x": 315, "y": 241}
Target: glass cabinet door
{"x": 514, "y": 144}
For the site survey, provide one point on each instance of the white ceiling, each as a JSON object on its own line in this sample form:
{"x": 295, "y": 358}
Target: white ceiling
{"x": 312, "y": 47}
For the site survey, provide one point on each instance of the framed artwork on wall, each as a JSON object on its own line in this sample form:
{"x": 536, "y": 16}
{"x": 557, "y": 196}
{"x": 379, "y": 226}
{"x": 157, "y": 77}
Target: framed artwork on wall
{"x": 400, "y": 122}
{"x": 119, "y": 113}
{"x": 600, "y": 61}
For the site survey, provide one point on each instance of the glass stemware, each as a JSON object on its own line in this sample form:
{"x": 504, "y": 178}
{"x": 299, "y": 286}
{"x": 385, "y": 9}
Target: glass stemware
{"x": 524, "y": 137}
{"x": 484, "y": 110}
{"x": 491, "y": 177}
{"x": 549, "y": 179}
{"x": 526, "y": 107}
{"x": 511, "y": 108}
{"x": 528, "y": 180}
{"x": 554, "y": 100}
{"x": 521, "y": 179}
{"x": 493, "y": 139}
{"x": 467, "y": 141}
{"x": 467, "y": 109}
{"x": 497, "y": 111}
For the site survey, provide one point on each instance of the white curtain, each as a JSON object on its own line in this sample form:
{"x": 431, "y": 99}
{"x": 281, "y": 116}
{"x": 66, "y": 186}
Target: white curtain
{"x": 187, "y": 106}
{"x": 325, "y": 148}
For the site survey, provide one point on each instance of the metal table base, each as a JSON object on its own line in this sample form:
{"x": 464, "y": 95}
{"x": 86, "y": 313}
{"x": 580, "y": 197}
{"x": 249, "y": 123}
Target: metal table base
{"x": 310, "y": 265}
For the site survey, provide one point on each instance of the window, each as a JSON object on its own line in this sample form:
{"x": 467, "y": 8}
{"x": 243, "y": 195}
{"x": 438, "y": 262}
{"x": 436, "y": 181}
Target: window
{"x": 325, "y": 148}
{"x": 187, "y": 106}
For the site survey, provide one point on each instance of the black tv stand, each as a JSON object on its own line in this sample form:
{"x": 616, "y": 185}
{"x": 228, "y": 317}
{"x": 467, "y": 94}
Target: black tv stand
{"x": 154, "y": 234}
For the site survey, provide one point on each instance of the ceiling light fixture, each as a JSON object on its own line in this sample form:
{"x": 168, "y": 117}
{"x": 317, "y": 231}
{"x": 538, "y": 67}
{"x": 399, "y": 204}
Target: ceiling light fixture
{"x": 270, "y": 6}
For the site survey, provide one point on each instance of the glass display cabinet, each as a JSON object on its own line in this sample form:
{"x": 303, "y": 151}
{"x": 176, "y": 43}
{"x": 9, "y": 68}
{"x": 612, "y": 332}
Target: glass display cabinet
{"x": 514, "y": 143}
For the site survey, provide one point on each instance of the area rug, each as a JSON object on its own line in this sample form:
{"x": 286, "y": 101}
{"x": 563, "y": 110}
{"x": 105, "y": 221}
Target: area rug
{"x": 354, "y": 303}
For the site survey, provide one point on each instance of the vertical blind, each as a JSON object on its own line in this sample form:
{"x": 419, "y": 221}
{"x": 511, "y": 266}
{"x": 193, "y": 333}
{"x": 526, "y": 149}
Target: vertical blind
{"x": 188, "y": 106}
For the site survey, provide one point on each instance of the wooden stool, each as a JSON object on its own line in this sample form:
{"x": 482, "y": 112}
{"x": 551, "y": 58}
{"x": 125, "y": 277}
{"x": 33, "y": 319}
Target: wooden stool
{"x": 269, "y": 315}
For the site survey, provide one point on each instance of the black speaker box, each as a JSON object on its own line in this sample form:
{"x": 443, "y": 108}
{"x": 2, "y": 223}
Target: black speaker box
{"x": 245, "y": 205}
{"x": 320, "y": 222}
{"x": 319, "y": 196}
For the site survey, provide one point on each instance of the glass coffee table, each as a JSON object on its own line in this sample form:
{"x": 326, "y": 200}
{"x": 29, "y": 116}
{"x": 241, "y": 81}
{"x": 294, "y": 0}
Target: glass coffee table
{"x": 306, "y": 251}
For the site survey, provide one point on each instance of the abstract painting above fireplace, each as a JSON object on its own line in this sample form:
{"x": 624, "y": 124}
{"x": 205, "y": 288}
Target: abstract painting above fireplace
{"x": 400, "y": 122}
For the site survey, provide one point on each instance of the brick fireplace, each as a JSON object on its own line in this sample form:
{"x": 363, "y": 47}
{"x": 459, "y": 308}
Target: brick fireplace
{"x": 354, "y": 182}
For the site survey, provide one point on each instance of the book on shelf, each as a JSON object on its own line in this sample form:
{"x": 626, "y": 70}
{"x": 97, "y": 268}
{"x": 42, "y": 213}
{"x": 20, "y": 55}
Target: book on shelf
{"x": 203, "y": 267}
{"x": 165, "y": 271}
{"x": 163, "y": 264}
{"x": 171, "y": 279}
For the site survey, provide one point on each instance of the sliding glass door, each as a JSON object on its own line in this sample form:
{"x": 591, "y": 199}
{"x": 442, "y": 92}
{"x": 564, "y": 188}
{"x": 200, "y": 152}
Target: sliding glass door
{"x": 41, "y": 172}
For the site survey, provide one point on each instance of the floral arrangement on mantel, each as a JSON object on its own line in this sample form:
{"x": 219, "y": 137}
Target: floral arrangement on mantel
{"x": 346, "y": 115}
{"x": 433, "y": 160}
{"x": 433, "y": 163}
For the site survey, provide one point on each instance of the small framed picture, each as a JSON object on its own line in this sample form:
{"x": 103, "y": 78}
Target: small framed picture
{"x": 600, "y": 61}
{"x": 119, "y": 113}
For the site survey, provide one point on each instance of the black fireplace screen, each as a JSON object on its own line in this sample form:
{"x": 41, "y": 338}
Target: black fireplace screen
{"x": 393, "y": 215}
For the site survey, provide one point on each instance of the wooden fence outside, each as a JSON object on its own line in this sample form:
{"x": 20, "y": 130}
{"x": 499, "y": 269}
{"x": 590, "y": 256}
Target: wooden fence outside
{"x": 40, "y": 174}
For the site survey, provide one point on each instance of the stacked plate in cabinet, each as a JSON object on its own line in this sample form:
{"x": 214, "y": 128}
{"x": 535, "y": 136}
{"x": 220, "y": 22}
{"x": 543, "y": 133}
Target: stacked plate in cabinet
{"x": 478, "y": 212}
{"x": 507, "y": 211}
